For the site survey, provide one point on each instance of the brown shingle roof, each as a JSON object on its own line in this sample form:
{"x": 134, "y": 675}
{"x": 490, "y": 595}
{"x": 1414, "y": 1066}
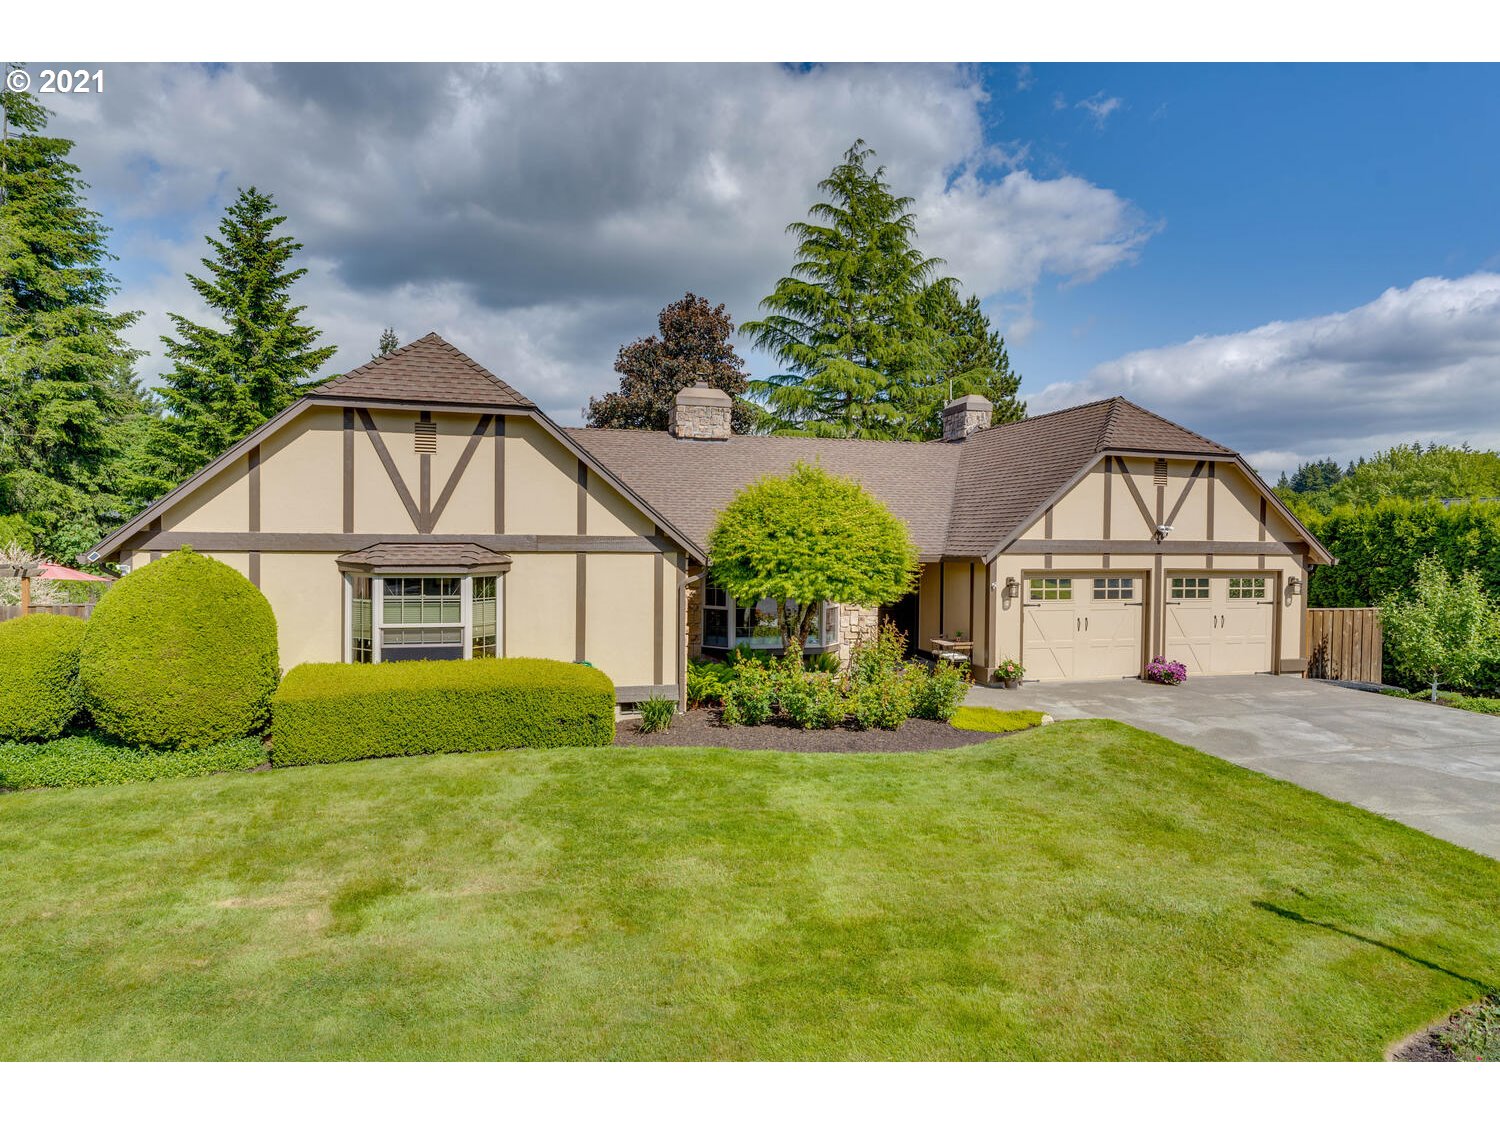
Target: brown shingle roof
{"x": 960, "y": 498}
{"x": 426, "y": 370}
{"x": 689, "y": 482}
{"x": 425, "y": 556}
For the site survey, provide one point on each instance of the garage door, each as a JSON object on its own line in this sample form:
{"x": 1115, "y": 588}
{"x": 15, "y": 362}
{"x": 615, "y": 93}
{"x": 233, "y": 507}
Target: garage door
{"x": 1082, "y": 627}
{"x": 1220, "y": 624}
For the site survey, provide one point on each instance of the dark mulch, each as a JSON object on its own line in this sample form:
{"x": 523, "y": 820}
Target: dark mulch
{"x": 702, "y": 728}
{"x": 1427, "y": 1045}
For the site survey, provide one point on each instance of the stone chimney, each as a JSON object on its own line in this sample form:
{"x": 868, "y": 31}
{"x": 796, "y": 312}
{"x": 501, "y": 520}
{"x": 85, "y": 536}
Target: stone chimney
{"x": 700, "y": 413}
{"x": 965, "y": 416}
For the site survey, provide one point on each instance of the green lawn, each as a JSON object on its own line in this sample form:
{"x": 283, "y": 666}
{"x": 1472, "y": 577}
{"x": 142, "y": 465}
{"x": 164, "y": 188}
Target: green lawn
{"x": 1080, "y": 891}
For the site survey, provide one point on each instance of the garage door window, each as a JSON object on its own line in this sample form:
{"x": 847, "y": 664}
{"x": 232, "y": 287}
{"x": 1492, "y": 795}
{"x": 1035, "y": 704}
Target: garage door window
{"x": 1247, "y": 588}
{"x": 1051, "y": 589}
{"x": 1114, "y": 589}
{"x": 1188, "y": 589}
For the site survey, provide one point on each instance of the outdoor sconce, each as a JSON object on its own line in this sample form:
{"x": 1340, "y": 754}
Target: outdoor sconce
{"x": 1294, "y": 586}
{"x": 1012, "y": 588}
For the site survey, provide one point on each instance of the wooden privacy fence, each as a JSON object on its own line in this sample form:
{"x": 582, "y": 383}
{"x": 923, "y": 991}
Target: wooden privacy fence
{"x": 1344, "y": 644}
{"x": 82, "y": 609}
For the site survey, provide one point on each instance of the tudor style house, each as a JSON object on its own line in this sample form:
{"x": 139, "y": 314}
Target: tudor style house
{"x": 419, "y": 507}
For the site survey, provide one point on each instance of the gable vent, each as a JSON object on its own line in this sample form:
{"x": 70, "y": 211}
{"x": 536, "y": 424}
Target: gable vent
{"x": 426, "y": 437}
{"x": 1160, "y": 476}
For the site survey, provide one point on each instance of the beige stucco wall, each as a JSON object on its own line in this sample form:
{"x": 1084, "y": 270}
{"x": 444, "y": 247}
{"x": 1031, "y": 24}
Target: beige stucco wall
{"x": 301, "y": 479}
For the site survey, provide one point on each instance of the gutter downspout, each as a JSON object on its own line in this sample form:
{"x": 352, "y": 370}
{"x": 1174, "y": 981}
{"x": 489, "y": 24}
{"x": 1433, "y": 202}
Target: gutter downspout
{"x": 682, "y": 630}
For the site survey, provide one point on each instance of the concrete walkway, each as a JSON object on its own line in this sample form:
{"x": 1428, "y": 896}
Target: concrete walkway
{"x": 1433, "y": 768}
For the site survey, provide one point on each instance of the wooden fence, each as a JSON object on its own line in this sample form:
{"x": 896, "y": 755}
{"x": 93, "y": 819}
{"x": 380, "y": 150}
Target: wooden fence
{"x": 82, "y": 609}
{"x": 1344, "y": 644}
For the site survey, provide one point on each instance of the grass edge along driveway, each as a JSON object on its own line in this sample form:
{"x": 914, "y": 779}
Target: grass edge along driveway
{"x": 1081, "y": 891}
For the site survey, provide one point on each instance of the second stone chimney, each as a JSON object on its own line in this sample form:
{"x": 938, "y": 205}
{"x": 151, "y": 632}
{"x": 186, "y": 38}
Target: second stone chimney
{"x": 965, "y": 416}
{"x": 700, "y": 413}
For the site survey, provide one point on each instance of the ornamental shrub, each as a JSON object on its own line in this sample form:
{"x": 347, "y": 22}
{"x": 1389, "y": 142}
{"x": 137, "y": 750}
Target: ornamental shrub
{"x": 339, "y": 712}
{"x": 90, "y": 758}
{"x": 938, "y": 694}
{"x": 886, "y": 706}
{"x": 752, "y": 695}
{"x": 813, "y": 700}
{"x": 39, "y": 693}
{"x": 180, "y": 654}
{"x": 707, "y": 681}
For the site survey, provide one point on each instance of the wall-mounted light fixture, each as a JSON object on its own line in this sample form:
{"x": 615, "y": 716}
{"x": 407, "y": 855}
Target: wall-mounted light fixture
{"x": 1294, "y": 586}
{"x": 1012, "y": 588}
{"x": 1162, "y": 531}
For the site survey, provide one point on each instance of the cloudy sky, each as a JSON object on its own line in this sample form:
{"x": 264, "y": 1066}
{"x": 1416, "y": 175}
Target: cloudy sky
{"x": 1299, "y": 261}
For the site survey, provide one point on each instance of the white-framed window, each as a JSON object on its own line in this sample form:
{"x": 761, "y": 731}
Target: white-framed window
{"x": 728, "y": 624}
{"x": 1114, "y": 589}
{"x": 1247, "y": 588}
{"x": 421, "y": 617}
{"x": 1051, "y": 589}
{"x": 1189, "y": 589}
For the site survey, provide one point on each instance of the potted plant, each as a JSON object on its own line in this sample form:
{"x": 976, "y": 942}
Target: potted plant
{"x": 1008, "y": 672}
{"x": 1164, "y": 671}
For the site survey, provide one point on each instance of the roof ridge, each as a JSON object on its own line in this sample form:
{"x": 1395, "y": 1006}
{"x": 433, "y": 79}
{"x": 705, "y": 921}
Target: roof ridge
{"x": 1046, "y": 414}
{"x": 1167, "y": 421}
{"x": 428, "y": 355}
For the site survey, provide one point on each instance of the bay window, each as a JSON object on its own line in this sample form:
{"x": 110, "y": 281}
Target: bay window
{"x": 428, "y": 601}
{"x": 727, "y": 624}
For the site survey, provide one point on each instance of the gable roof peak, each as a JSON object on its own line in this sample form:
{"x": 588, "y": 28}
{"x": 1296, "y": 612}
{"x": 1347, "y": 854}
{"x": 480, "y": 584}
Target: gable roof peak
{"x": 427, "y": 370}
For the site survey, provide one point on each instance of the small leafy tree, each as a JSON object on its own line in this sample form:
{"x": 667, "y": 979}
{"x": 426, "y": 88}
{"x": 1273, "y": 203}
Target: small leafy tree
{"x": 807, "y": 537}
{"x": 1444, "y": 630}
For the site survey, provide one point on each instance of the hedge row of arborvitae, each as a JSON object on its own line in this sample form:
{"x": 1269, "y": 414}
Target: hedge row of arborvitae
{"x": 1379, "y": 546}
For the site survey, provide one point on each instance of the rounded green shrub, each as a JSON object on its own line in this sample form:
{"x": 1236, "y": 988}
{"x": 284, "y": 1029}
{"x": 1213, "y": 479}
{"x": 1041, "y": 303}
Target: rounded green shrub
{"x": 180, "y": 654}
{"x": 39, "y": 693}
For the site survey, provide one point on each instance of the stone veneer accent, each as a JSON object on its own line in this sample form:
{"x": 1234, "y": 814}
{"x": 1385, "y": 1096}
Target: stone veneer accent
{"x": 701, "y": 413}
{"x": 967, "y": 415}
{"x": 857, "y": 625}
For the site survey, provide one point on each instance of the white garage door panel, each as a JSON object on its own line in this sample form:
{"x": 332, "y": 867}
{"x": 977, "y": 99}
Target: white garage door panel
{"x": 1220, "y": 624}
{"x": 1072, "y": 634}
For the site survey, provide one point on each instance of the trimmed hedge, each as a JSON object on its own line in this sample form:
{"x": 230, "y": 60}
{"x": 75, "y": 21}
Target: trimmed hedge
{"x": 91, "y": 759}
{"x": 180, "y": 654}
{"x": 340, "y": 712}
{"x": 39, "y": 693}
{"x": 1378, "y": 548}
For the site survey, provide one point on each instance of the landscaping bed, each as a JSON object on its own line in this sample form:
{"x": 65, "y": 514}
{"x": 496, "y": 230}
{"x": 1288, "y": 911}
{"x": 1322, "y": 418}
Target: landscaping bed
{"x": 1471, "y": 1034}
{"x": 704, "y": 728}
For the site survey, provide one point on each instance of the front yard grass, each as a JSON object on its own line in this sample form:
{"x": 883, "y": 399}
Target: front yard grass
{"x": 1080, "y": 891}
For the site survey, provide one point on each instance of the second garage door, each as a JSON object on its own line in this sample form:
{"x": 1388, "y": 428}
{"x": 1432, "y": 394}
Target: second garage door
{"x": 1082, "y": 627}
{"x": 1220, "y": 624}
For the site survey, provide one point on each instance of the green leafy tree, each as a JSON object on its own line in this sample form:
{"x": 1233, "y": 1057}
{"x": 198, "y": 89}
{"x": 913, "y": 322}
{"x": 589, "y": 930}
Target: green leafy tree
{"x": 1442, "y": 631}
{"x": 67, "y": 394}
{"x": 972, "y": 360}
{"x": 225, "y": 382}
{"x": 389, "y": 342}
{"x": 847, "y": 324}
{"x": 695, "y": 346}
{"x": 1403, "y": 472}
{"x": 807, "y": 537}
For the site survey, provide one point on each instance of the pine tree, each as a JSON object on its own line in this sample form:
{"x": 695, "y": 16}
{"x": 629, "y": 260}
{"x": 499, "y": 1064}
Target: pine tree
{"x": 972, "y": 360}
{"x": 847, "y": 324}
{"x": 694, "y": 347}
{"x": 224, "y": 383}
{"x": 68, "y": 400}
{"x": 389, "y": 342}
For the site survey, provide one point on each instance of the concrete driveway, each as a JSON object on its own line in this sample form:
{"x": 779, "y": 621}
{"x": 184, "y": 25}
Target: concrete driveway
{"x": 1433, "y": 768}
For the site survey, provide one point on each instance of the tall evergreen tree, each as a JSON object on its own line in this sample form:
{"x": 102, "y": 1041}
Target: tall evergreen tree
{"x": 694, "y": 347}
{"x": 225, "y": 382}
{"x": 847, "y": 324}
{"x": 972, "y": 360}
{"x": 68, "y": 400}
{"x": 389, "y": 342}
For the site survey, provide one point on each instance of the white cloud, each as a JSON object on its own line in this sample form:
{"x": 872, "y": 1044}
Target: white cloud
{"x": 1025, "y": 80}
{"x": 545, "y": 213}
{"x": 1099, "y": 107}
{"x": 1415, "y": 364}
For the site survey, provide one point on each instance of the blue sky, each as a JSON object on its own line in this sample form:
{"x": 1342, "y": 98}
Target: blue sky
{"x": 1285, "y": 191}
{"x": 1300, "y": 261}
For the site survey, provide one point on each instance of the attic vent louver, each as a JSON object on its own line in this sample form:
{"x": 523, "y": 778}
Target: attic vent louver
{"x": 426, "y": 437}
{"x": 1160, "y": 477}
